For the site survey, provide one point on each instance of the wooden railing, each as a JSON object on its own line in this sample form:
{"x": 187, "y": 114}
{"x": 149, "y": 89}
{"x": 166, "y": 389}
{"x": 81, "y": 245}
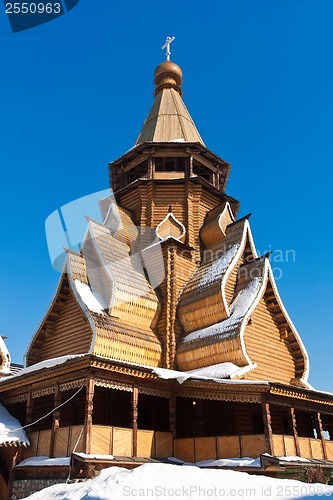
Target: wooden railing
{"x": 105, "y": 440}
{"x": 212, "y": 448}
{"x": 285, "y": 446}
{"x": 118, "y": 441}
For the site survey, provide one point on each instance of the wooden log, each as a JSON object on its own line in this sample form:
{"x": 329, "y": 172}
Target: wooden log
{"x": 88, "y": 412}
{"x": 294, "y": 431}
{"x": 56, "y": 419}
{"x": 269, "y": 447}
{"x": 319, "y": 429}
{"x": 135, "y": 397}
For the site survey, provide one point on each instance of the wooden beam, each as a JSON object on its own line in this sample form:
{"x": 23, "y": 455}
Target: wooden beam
{"x": 294, "y": 430}
{"x": 172, "y": 415}
{"x": 29, "y": 409}
{"x": 56, "y": 419}
{"x": 135, "y": 398}
{"x": 269, "y": 448}
{"x": 88, "y": 412}
{"x": 319, "y": 429}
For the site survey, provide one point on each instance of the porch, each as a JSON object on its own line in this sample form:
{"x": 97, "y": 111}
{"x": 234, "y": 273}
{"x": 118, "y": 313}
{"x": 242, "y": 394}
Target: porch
{"x": 118, "y": 442}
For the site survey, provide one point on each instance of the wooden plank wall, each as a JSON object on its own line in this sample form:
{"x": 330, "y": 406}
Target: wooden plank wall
{"x": 329, "y": 449}
{"x": 266, "y": 348}
{"x": 198, "y": 449}
{"x": 71, "y": 334}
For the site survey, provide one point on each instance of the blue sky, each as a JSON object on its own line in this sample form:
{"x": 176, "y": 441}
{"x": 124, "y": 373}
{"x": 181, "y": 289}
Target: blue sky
{"x": 258, "y": 83}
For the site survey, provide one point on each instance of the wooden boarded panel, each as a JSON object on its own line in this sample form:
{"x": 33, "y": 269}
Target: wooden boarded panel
{"x": 61, "y": 440}
{"x": 290, "y": 447}
{"x": 305, "y": 447}
{"x": 329, "y": 449}
{"x": 44, "y": 443}
{"x": 205, "y": 449}
{"x": 228, "y": 447}
{"x": 252, "y": 446}
{"x": 32, "y": 450}
{"x": 163, "y": 445}
{"x": 278, "y": 445}
{"x": 184, "y": 449}
{"x": 101, "y": 440}
{"x": 317, "y": 449}
{"x": 76, "y": 439}
{"x": 122, "y": 442}
{"x": 145, "y": 443}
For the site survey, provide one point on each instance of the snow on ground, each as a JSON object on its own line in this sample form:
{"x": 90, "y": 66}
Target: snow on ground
{"x": 156, "y": 481}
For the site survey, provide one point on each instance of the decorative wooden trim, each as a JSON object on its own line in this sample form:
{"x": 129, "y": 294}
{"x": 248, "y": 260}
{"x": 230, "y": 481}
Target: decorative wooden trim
{"x": 239, "y": 398}
{"x": 112, "y": 384}
{"x": 17, "y": 399}
{"x": 43, "y": 392}
{"x": 73, "y": 384}
{"x": 150, "y": 391}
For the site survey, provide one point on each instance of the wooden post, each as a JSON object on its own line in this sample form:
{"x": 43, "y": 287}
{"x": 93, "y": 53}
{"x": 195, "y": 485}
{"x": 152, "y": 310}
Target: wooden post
{"x": 29, "y": 409}
{"x": 319, "y": 429}
{"x": 88, "y": 412}
{"x": 191, "y": 166}
{"x": 172, "y": 415}
{"x": 150, "y": 167}
{"x": 294, "y": 431}
{"x": 135, "y": 398}
{"x": 268, "y": 426}
{"x": 56, "y": 419}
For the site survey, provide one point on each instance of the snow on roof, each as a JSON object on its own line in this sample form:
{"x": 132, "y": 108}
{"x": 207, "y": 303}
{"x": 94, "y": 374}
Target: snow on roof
{"x": 216, "y": 373}
{"x": 48, "y": 363}
{"x": 11, "y": 433}
{"x": 218, "y": 267}
{"x": 4, "y": 358}
{"x": 44, "y": 462}
{"x": 91, "y": 299}
{"x": 238, "y": 309}
{"x": 173, "y": 481}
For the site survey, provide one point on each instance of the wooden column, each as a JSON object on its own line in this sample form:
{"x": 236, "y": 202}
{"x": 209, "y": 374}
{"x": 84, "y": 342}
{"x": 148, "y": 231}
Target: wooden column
{"x": 294, "y": 431}
{"x": 319, "y": 429}
{"x": 29, "y": 410}
{"x": 172, "y": 415}
{"x": 135, "y": 398}
{"x": 88, "y": 412}
{"x": 150, "y": 167}
{"x": 191, "y": 166}
{"x": 268, "y": 426}
{"x": 56, "y": 419}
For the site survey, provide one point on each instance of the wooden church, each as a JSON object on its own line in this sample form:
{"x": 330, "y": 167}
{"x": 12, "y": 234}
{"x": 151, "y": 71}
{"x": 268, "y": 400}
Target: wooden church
{"x": 166, "y": 336}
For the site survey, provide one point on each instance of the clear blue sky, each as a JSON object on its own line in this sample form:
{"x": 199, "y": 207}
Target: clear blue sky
{"x": 258, "y": 81}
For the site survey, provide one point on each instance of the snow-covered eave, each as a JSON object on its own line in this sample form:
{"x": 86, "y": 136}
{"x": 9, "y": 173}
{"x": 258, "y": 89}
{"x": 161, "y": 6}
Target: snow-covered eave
{"x": 252, "y": 308}
{"x": 246, "y": 234}
{"x": 44, "y": 367}
{"x": 104, "y": 263}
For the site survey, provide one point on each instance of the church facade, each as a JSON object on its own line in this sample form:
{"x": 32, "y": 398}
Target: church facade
{"x": 167, "y": 336}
